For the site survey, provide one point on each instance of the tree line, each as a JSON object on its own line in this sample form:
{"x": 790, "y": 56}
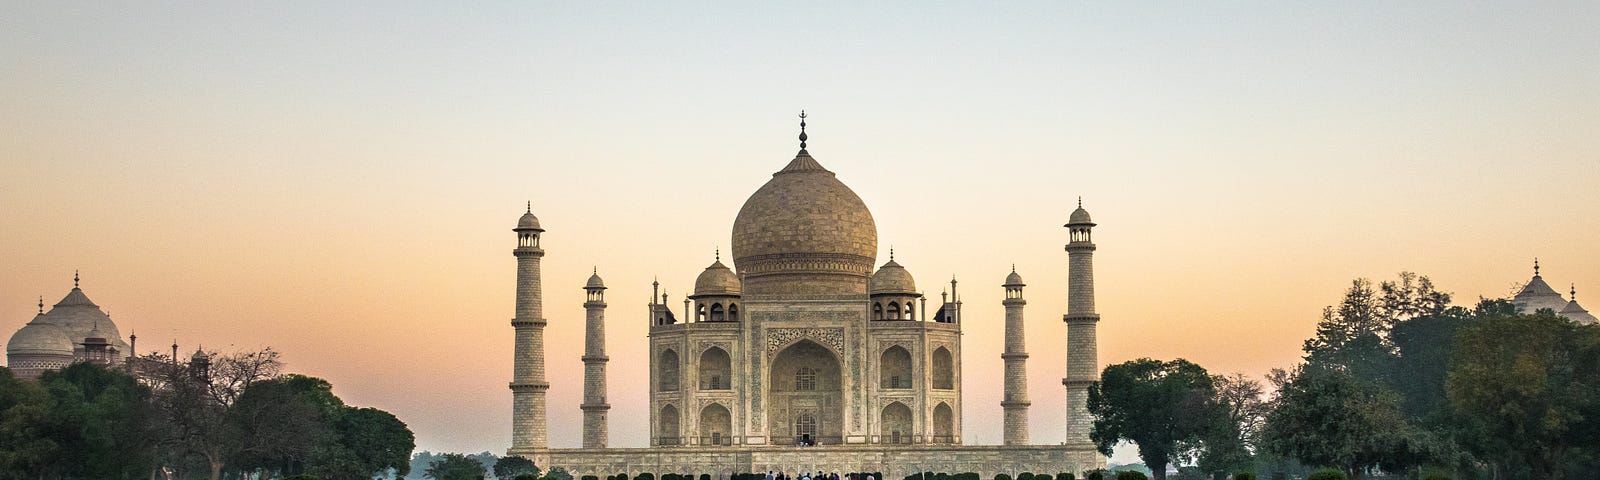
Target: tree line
{"x": 1396, "y": 381}
{"x": 212, "y": 416}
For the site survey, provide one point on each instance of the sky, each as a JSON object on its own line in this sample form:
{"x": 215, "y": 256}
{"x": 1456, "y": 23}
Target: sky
{"x": 339, "y": 180}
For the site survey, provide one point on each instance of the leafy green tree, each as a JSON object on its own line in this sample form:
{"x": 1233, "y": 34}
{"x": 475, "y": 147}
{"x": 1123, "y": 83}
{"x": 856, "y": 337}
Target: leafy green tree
{"x": 455, "y": 466}
{"x": 511, "y": 466}
{"x": 1324, "y": 416}
{"x": 25, "y": 449}
{"x": 1528, "y": 382}
{"x": 1354, "y": 336}
{"x": 1164, "y": 407}
{"x": 278, "y": 424}
{"x": 99, "y": 419}
{"x": 367, "y": 442}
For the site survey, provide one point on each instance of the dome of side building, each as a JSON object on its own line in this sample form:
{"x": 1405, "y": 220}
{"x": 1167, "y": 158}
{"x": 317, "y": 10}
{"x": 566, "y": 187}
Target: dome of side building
{"x": 37, "y": 347}
{"x": 717, "y": 279}
{"x": 893, "y": 278}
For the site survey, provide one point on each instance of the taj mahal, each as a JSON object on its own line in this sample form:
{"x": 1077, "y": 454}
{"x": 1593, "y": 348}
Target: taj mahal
{"x": 803, "y": 356}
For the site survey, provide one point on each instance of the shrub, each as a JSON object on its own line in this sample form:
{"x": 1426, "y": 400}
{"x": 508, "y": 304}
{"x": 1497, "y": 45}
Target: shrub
{"x": 1025, "y": 476}
{"x": 589, "y": 477}
{"x": 300, "y": 477}
{"x": 1131, "y": 475}
{"x": 967, "y": 476}
{"x": 671, "y": 476}
{"x": 1436, "y": 476}
{"x": 1064, "y": 476}
{"x": 705, "y": 476}
{"x": 1096, "y": 474}
{"x": 1244, "y": 476}
{"x": 1327, "y": 474}
{"x": 525, "y": 476}
{"x": 645, "y": 476}
{"x": 1001, "y": 476}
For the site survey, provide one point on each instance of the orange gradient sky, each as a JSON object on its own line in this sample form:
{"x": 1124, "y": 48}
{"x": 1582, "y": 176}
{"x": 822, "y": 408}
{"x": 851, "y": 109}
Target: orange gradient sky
{"x": 339, "y": 181}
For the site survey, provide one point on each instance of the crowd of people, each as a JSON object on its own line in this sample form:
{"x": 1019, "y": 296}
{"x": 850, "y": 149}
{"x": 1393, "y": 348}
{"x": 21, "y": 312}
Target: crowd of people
{"x": 780, "y": 475}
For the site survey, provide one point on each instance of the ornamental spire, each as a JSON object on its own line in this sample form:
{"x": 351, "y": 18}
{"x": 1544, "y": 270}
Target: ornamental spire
{"x": 530, "y": 207}
{"x": 802, "y": 130}
{"x": 1535, "y": 266}
{"x": 1573, "y": 292}
{"x": 41, "y": 304}
{"x": 74, "y": 278}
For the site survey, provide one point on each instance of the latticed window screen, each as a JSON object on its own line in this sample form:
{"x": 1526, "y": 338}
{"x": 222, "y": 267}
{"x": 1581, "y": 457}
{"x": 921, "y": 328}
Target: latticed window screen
{"x": 805, "y": 424}
{"x": 805, "y": 379}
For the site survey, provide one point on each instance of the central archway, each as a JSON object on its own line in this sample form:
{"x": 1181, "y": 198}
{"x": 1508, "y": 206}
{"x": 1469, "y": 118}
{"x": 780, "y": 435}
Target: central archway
{"x": 807, "y": 404}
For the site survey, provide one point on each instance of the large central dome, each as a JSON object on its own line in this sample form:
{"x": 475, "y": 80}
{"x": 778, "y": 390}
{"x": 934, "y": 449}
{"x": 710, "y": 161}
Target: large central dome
{"x": 804, "y": 233}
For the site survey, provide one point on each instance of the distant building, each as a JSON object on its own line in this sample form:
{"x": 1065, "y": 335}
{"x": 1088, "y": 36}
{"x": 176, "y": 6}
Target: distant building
{"x": 74, "y": 330}
{"x": 1537, "y": 295}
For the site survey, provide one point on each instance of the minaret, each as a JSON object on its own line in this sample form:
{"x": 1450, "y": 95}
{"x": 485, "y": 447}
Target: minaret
{"x": 528, "y": 386}
{"x": 594, "y": 364}
{"x": 1016, "y": 401}
{"x": 1082, "y": 352}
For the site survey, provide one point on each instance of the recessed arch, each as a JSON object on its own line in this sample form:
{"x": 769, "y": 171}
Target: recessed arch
{"x": 804, "y": 388}
{"x": 717, "y": 314}
{"x": 894, "y": 368}
{"x": 715, "y": 369}
{"x": 895, "y": 423}
{"x": 668, "y": 374}
{"x": 943, "y": 369}
{"x": 667, "y": 426}
{"x": 943, "y": 423}
{"x": 716, "y": 424}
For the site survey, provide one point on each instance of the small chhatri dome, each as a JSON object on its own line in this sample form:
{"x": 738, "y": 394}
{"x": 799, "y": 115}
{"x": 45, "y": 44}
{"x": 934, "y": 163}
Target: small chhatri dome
{"x": 717, "y": 279}
{"x": 199, "y": 355}
{"x": 893, "y": 278}
{"x": 528, "y": 221}
{"x": 1014, "y": 280}
{"x": 1079, "y": 216}
{"x": 594, "y": 281}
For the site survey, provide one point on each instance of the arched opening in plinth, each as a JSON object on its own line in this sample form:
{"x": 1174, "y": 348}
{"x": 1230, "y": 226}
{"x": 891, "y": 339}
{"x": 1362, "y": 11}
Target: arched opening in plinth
{"x": 895, "y": 424}
{"x": 806, "y": 404}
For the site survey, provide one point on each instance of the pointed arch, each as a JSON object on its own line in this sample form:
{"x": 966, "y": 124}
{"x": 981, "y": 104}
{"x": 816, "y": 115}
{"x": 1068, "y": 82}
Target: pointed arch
{"x": 894, "y": 368}
{"x": 668, "y": 375}
{"x": 715, "y": 369}
{"x": 943, "y": 423}
{"x": 667, "y": 426}
{"x": 717, "y": 315}
{"x": 943, "y": 369}
{"x": 716, "y": 424}
{"x": 894, "y": 423}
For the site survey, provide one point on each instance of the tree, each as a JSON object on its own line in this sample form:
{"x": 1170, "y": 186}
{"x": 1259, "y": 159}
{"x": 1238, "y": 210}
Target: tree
{"x": 24, "y": 448}
{"x": 1228, "y": 444}
{"x": 1325, "y": 416}
{"x": 374, "y": 441}
{"x": 509, "y": 467}
{"x": 278, "y": 424}
{"x": 1164, "y": 407}
{"x": 455, "y": 466}
{"x": 1529, "y": 384}
{"x": 193, "y": 401}
{"x": 98, "y": 419}
{"x": 1354, "y": 336}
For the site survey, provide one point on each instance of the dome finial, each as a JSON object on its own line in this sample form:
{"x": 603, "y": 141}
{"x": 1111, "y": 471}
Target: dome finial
{"x": 1535, "y": 266}
{"x": 891, "y": 253}
{"x": 596, "y": 270}
{"x": 41, "y": 304}
{"x": 1573, "y": 292}
{"x": 74, "y": 278}
{"x": 530, "y": 206}
{"x": 802, "y": 130}
{"x": 1080, "y": 201}
{"x": 1013, "y": 267}
{"x": 718, "y": 251}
